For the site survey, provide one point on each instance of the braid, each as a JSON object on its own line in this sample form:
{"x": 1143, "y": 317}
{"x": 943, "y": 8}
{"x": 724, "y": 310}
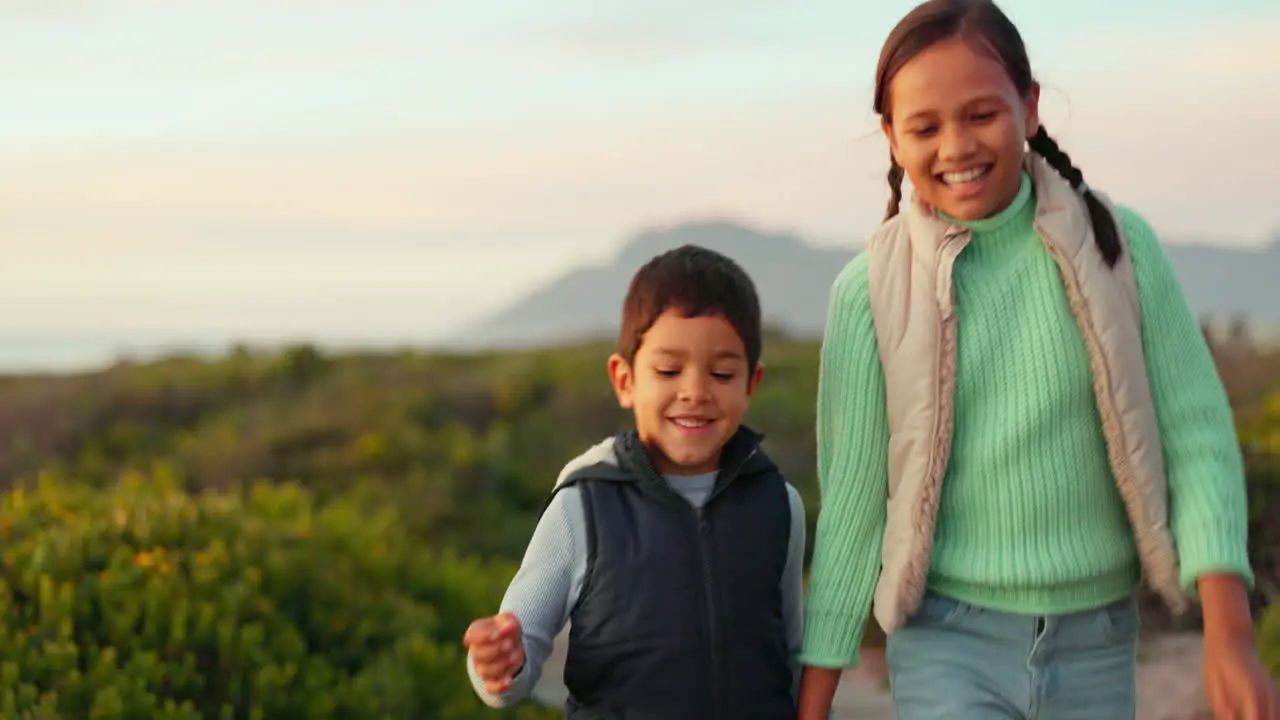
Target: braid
{"x": 1105, "y": 233}
{"x": 895, "y": 187}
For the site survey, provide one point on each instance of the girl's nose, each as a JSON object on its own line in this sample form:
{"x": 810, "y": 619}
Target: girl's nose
{"x": 957, "y": 143}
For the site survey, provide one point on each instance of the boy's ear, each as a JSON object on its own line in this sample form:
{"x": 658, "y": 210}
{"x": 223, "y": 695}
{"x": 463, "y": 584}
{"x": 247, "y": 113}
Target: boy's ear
{"x": 754, "y": 380}
{"x": 620, "y": 375}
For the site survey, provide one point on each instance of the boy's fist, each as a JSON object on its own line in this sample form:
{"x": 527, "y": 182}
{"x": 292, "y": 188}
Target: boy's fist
{"x": 497, "y": 650}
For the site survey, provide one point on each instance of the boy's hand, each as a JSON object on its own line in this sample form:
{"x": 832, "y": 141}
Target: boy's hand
{"x": 497, "y": 650}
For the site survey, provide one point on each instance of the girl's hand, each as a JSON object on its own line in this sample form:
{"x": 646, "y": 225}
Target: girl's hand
{"x": 1235, "y": 682}
{"x": 1237, "y": 685}
{"x": 817, "y": 692}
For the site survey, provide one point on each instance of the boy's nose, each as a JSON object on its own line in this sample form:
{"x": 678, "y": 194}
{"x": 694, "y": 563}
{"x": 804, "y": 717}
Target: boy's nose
{"x": 694, "y": 391}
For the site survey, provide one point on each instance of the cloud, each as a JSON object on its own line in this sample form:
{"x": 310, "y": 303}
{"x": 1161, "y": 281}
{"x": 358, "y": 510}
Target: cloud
{"x": 141, "y": 277}
{"x": 52, "y": 9}
{"x": 517, "y": 180}
{"x": 675, "y": 31}
{"x": 530, "y": 163}
{"x": 789, "y": 154}
{"x": 1174, "y": 121}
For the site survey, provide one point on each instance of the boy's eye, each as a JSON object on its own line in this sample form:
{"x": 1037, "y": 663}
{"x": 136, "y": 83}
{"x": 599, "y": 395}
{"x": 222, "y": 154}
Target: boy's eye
{"x": 984, "y": 116}
{"x": 924, "y": 131}
{"x": 722, "y": 376}
{"x": 665, "y": 372}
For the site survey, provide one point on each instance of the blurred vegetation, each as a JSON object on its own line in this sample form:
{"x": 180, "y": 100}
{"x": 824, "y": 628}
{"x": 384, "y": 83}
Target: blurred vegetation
{"x": 296, "y": 534}
{"x": 140, "y": 600}
{"x": 467, "y": 446}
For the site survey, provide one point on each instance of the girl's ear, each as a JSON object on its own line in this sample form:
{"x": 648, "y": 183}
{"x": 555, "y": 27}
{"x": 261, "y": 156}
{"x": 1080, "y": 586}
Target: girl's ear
{"x": 1031, "y": 109}
{"x": 887, "y": 129}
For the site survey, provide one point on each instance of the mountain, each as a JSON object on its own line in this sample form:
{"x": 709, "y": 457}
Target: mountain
{"x": 794, "y": 277}
{"x": 1226, "y": 283}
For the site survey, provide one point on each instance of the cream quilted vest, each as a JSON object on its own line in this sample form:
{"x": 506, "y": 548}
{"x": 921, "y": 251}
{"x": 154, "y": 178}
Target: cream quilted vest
{"x": 910, "y": 260}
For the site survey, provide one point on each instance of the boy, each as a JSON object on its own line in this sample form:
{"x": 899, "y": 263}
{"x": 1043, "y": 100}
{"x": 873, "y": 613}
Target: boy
{"x": 675, "y": 548}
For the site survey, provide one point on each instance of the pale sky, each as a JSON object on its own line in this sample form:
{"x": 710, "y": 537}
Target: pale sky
{"x": 396, "y": 168}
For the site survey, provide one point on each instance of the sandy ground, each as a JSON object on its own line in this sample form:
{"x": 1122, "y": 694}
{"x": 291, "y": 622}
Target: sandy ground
{"x": 1169, "y": 684}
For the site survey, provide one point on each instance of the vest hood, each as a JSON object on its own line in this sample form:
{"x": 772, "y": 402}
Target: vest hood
{"x": 623, "y": 458}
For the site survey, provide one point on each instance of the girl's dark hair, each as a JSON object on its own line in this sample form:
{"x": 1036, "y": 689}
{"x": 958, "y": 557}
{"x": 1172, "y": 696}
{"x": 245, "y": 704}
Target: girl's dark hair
{"x": 981, "y": 20}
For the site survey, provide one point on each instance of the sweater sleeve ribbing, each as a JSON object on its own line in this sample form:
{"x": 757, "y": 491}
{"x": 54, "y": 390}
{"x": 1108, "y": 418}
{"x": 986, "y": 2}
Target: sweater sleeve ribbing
{"x": 1207, "y": 499}
{"x": 853, "y": 439}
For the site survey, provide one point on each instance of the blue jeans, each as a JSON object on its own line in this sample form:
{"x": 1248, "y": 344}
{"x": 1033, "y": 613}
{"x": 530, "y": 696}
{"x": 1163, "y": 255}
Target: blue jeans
{"x": 960, "y": 662}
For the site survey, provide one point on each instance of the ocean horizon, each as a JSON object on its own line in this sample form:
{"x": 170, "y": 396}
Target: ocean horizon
{"x": 76, "y": 353}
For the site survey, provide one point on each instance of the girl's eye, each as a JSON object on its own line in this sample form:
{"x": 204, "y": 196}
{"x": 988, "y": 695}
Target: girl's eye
{"x": 668, "y": 373}
{"x": 924, "y": 131}
{"x": 983, "y": 117}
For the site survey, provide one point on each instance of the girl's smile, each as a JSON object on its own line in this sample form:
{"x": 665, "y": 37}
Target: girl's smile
{"x": 959, "y": 128}
{"x": 968, "y": 183}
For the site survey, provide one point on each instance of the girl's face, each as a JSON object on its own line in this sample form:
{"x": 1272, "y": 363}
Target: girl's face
{"x": 959, "y": 127}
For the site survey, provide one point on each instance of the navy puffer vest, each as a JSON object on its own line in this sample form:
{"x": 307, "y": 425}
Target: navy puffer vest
{"x": 680, "y": 615}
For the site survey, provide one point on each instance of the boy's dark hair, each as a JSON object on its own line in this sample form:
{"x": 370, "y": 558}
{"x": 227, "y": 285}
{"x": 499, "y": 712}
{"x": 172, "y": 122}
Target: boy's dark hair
{"x": 695, "y": 282}
{"x": 981, "y": 20}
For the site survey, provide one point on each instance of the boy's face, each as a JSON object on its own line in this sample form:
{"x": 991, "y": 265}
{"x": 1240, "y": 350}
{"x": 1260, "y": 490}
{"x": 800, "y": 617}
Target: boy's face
{"x": 689, "y": 388}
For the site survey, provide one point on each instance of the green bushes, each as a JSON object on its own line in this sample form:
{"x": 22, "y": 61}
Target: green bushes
{"x": 142, "y": 601}
{"x": 134, "y": 596}
{"x": 1269, "y": 640}
{"x": 1260, "y": 440}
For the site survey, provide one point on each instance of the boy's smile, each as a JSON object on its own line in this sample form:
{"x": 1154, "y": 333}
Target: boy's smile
{"x": 689, "y": 387}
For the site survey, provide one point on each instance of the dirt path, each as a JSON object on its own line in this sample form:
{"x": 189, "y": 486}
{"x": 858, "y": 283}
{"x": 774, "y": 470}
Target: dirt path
{"x": 1169, "y": 684}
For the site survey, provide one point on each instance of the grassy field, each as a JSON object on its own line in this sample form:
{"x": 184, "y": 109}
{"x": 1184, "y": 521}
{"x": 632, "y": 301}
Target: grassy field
{"x": 454, "y": 454}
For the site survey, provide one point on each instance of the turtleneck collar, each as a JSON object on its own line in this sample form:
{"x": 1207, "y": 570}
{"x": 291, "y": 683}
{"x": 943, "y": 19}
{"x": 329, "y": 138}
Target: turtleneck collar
{"x": 1020, "y": 209}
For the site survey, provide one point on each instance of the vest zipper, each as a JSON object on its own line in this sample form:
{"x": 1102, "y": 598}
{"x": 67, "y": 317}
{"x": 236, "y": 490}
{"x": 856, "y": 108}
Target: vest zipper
{"x": 702, "y": 527}
{"x": 708, "y": 585}
{"x": 708, "y": 590}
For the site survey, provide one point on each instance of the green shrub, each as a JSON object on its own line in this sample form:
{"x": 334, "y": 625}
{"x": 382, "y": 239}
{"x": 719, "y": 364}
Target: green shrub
{"x": 1260, "y": 439}
{"x": 1269, "y": 640}
{"x": 143, "y": 601}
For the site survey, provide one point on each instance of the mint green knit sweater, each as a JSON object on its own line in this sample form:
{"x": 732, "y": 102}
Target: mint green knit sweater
{"x": 1030, "y": 520}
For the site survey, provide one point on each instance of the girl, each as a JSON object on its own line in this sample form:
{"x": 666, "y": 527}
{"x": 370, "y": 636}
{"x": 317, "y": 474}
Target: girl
{"x": 1018, "y": 418}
